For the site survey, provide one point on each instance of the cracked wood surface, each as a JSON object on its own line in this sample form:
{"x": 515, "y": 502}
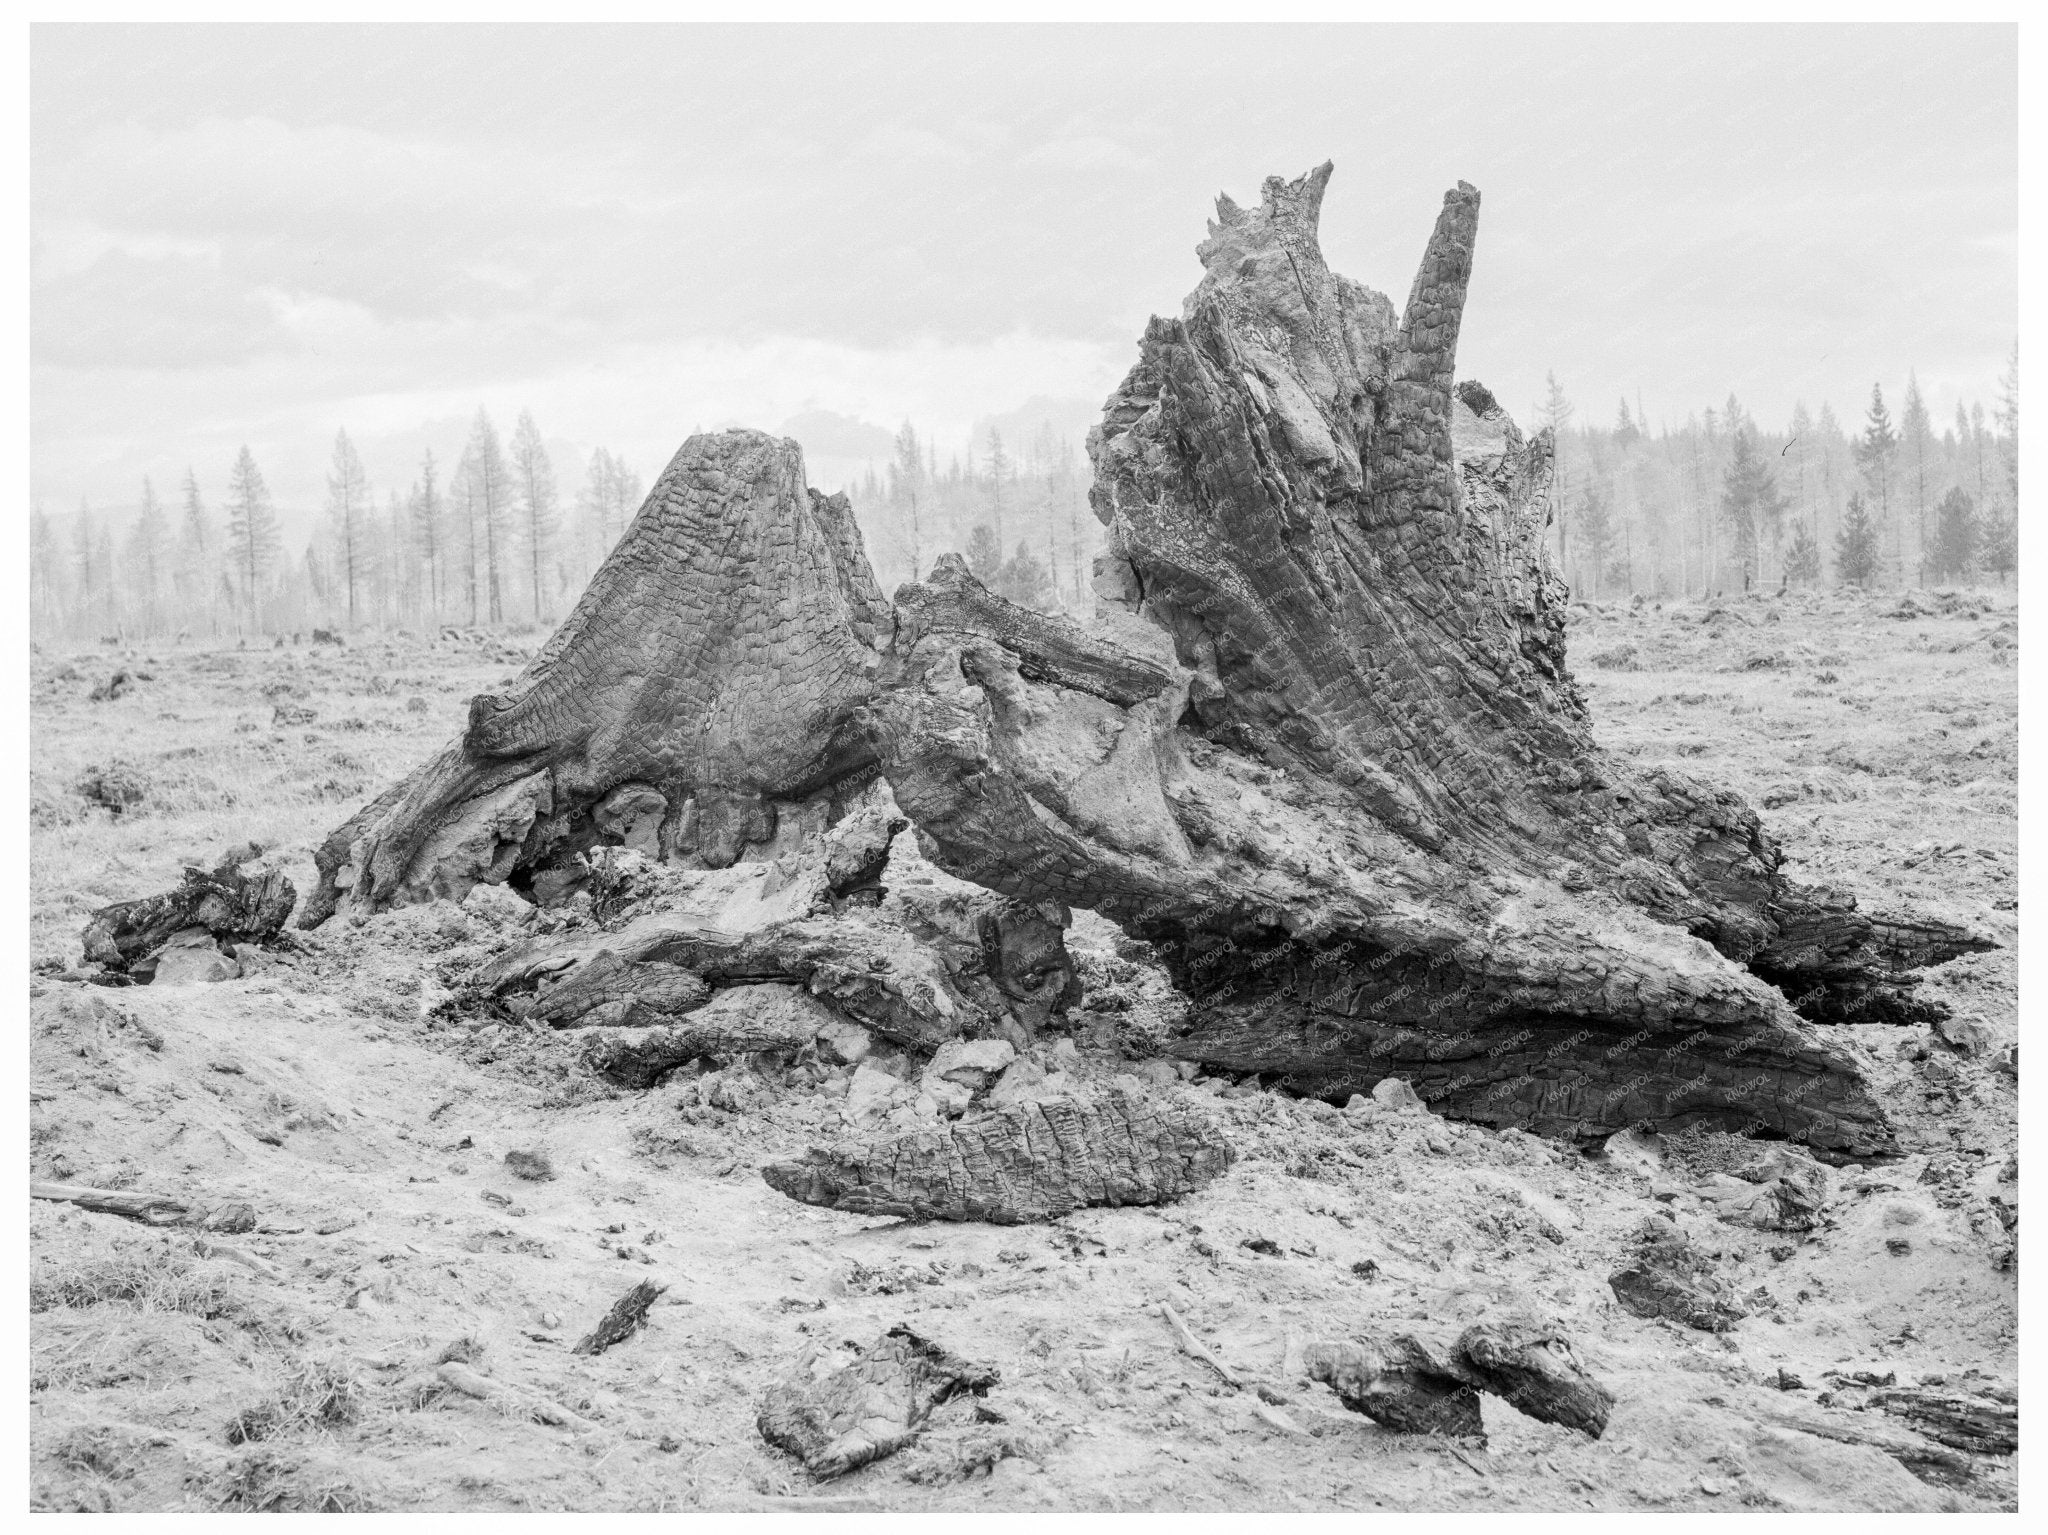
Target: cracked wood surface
{"x": 1029, "y": 1162}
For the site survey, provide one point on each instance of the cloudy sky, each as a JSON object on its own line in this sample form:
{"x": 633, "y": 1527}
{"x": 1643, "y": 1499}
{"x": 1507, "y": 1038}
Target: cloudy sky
{"x": 261, "y": 235}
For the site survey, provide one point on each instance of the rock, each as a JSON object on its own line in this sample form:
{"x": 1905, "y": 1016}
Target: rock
{"x": 1635, "y": 1150}
{"x": 2007, "y": 1060}
{"x": 1395, "y": 1096}
{"x": 499, "y": 905}
{"x": 1023, "y": 1082}
{"x": 190, "y": 957}
{"x": 869, "y": 1408}
{"x": 844, "y": 1042}
{"x": 1785, "y": 1192}
{"x": 1964, "y": 1033}
{"x": 872, "y": 1093}
{"x": 971, "y": 1063}
{"x": 1360, "y": 1107}
{"x": 948, "y": 1099}
{"x": 1157, "y": 1073}
{"x": 1668, "y": 1277}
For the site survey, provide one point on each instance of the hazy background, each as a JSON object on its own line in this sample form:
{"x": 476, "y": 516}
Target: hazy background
{"x": 260, "y": 235}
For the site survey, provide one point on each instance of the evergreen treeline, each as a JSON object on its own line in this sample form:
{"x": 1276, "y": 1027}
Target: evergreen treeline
{"x": 487, "y": 542}
{"x": 1724, "y": 504}
{"x": 1721, "y": 504}
{"x": 1019, "y": 516}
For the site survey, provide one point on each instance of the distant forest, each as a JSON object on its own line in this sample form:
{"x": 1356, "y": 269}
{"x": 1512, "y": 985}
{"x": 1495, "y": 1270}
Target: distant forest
{"x": 1718, "y": 505}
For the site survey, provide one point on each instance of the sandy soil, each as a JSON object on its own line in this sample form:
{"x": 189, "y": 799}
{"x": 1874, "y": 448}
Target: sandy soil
{"x": 293, "y": 1366}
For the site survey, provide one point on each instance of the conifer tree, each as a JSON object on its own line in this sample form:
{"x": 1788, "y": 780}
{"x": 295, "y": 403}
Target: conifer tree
{"x": 906, "y": 487}
{"x": 1856, "y": 544}
{"x": 1916, "y": 442}
{"x": 253, "y": 541}
{"x": 1802, "y": 559}
{"x": 533, "y": 486}
{"x": 998, "y": 476}
{"x": 348, "y": 516}
{"x": 149, "y": 557}
{"x": 984, "y": 554}
{"x": 1954, "y": 551}
{"x": 1875, "y": 450}
{"x": 429, "y": 514}
{"x": 199, "y": 575}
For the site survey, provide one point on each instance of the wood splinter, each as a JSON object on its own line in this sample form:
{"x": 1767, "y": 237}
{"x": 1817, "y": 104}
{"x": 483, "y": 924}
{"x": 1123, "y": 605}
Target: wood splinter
{"x": 625, "y": 1318}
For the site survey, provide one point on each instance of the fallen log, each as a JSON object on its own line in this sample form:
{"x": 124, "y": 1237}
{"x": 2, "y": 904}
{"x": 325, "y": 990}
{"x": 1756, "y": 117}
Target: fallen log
{"x": 528, "y": 1403}
{"x": 869, "y": 1408}
{"x": 150, "y": 1209}
{"x": 1194, "y": 1348}
{"x": 1403, "y": 1383}
{"x": 628, "y": 1314}
{"x": 1535, "y": 1370}
{"x": 1029, "y": 1162}
{"x": 223, "y": 902}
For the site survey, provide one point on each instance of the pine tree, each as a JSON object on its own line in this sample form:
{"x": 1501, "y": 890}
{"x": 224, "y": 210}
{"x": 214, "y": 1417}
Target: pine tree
{"x": 429, "y": 517}
{"x": 1625, "y": 433}
{"x": 1856, "y": 544}
{"x": 2009, "y": 426}
{"x": 46, "y": 572}
{"x": 998, "y": 475}
{"x": 2000, "y": 552}
{"x": 1596, "y": 532}
{"x": 86, "y": 574}
{"x": 1875, "y": 450}
{"x": 1916, "y": 440}
{"x": 533, "y": 480}
{"x": 253, "y": 539}
{"x": 198, "y": 574}
{"x": 348, "y": 516}
{"x": 1802, "y": 560}
{"x": 984, "y": 554}
{"x": 1955, "y": 537}
{"x": 906, "y": 487}
{"x": 1023, "y": 580}
{"x": 1556, "y": 414}
{"x": 149, "y": 557}
{"x": 1745, "y": 489}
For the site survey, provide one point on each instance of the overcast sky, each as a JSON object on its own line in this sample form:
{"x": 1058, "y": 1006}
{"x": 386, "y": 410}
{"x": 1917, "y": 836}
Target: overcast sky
{"x": 260, "y": 235}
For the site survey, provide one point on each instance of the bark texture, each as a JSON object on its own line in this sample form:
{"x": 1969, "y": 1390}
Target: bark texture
{"x": 1030, "y": 1162}
{"x": 224, "y": 902}
{"x": 1418, "y": 1385}
{"x": 695, "y": 704}
{"x": 1323, "y": 749}
{"x": 870, "y": 1408}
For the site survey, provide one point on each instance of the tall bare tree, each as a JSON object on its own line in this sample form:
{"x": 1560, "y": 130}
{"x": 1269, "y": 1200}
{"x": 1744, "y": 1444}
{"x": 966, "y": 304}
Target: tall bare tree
{"x": 348, "y": 515}
{"x": 533, "y": 488}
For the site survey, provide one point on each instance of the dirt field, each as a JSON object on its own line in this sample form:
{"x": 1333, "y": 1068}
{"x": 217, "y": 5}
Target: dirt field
{"x": 292, "y": 1367}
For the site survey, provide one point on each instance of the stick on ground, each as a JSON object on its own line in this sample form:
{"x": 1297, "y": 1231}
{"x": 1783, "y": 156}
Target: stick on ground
{"x": 1192, "y": 1345}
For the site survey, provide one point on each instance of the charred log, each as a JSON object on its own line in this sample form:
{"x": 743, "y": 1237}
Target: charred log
{"x": 1033, "y": 1162}
{"x": 223, "y": 902}
{"x": 870, "y": 1408}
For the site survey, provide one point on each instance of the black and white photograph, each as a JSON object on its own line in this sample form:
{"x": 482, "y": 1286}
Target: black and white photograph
{"x": 1141, "y": 766}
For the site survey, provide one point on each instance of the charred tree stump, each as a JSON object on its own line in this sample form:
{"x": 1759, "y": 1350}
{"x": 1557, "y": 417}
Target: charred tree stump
{"x": 1402, "y": 1383}
{"x": 1320, "y": 746}
{"x": 696, "y": 702}
{"x": 1008, "y": 1166}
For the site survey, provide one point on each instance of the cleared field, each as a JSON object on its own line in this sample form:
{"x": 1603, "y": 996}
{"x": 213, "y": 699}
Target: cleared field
{"x": 295, "y": 1365}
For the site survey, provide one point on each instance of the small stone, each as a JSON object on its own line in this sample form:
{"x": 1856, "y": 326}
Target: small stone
{"x": 1396, "y": 1096}
{"x": 844, "y": 1042}
{"x": 192, "y": 958}
{"x": 1898, "y": 1247}
{"x": 1965, "y": 1034}
{"x": 1157, "y": 1073}
{"x": 1358, "y": 1106}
